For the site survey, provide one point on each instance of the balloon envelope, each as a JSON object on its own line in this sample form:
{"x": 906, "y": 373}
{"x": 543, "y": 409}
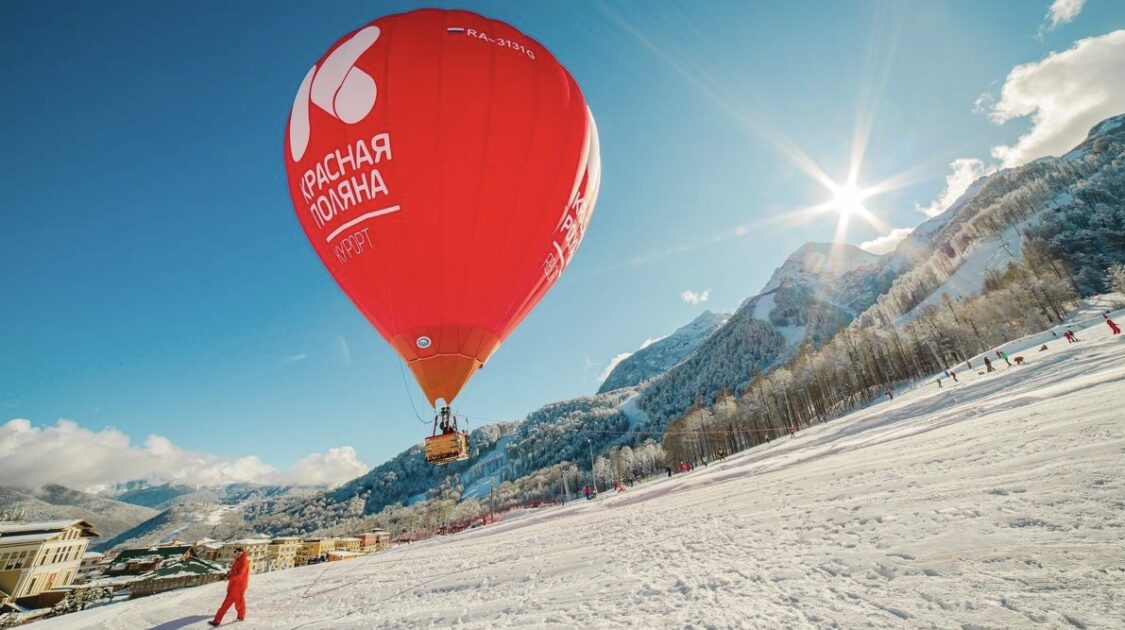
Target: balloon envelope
{"x": 444, "y": 167}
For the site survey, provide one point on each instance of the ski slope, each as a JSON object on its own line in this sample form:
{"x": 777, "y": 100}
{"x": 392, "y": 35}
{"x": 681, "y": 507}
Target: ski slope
{"x": 996, "y": 502}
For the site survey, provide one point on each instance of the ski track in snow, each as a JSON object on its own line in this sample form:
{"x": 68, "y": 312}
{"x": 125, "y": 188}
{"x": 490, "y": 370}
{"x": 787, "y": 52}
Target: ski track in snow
{"x": 996, "y": 502}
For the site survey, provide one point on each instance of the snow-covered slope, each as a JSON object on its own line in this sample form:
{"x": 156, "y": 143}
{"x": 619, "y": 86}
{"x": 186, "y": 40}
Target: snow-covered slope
{"x": 1070, "y": 208}
{"x": 991, "y": 503}
{"x": 917, "y": 245}
{"x": 818, "y": 289}
{"x": 663, "y": 354}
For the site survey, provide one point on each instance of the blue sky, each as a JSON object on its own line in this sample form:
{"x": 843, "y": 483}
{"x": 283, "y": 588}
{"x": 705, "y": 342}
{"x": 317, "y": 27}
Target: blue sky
{"x": 153, "y": 277}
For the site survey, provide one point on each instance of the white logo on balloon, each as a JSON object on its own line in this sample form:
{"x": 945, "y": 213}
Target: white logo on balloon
{"x": 337, "y": 87}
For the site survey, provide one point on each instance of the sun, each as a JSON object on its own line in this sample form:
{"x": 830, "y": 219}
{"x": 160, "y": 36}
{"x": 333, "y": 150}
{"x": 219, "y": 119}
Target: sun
{"x": 848, "y": 199}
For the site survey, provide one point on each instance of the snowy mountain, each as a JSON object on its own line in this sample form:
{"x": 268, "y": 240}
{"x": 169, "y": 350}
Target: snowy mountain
{"x": 819, "y": 265}
{"x": 1071, "y": 207}
{"x": 163, "y": 496}
{"x": 192, "y": 513}
{"x": 154, "y": 496}
{"x": 53, "y": 501}
{"x": 661, "y": 355}
{"x": 818, "y": 289}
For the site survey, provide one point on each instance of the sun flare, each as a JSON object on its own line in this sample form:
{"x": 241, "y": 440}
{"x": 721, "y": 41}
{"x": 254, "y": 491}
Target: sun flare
{"x": 848, "y": 199}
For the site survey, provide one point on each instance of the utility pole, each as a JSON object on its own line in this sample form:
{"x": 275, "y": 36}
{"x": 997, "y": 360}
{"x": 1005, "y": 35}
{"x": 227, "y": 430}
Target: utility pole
{"x": 492, "y": 503}
{"x": 593, "y": 473}
{"x": 566, "y": 489}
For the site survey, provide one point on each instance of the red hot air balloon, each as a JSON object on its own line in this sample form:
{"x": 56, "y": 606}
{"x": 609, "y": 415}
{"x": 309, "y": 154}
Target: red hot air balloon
{"x": 444, "y": 167}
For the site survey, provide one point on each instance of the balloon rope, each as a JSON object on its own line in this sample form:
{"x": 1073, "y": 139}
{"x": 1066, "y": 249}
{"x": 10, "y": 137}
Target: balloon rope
{"x": 409, "y": 394}
{"x": 394, "y": 325}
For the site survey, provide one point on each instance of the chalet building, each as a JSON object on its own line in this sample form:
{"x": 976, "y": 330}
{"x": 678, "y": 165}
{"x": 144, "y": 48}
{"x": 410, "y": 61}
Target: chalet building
{"x": 38, "y": 557}
{"x": 283, "y": 553}
{"x": 179, "y": 573}
{"x": 208, "y": 549}
{"x": 258, "y": 548}
{"x": 375, "y": 540}
{"x": 349, "y": 543}
{"x": 314, "y": 550}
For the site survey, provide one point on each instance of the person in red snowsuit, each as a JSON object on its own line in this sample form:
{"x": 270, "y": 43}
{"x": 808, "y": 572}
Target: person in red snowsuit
{"x": 1113, "y": 326}
{"x": 237, "y": 579}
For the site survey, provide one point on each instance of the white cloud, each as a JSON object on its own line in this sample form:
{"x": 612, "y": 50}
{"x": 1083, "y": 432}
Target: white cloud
{"x": 1065, "y": 94}
{"x": 965, "y": 172}
{"x": 691, "y": 297}
{"x": 333, "y": 468}
{"x": 612, "y": 364}
{"x": 290, "y": 360}
{"x": 1061, "y": 12}
{"x": 887, "y": 243}
{"x": 73, "y": 456}
{"x": 984, "y": 103}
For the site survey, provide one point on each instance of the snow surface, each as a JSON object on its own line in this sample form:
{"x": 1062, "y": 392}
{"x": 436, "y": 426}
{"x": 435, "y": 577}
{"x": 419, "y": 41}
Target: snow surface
{"x": 764, "y": 304}
{"x": 477, "y": 482}
{"x": 995, "y": 502}
{"x": 637, "y": 416}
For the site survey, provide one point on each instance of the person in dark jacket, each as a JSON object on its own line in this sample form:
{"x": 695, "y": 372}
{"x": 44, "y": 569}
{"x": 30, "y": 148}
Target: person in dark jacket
{"x": 988, "y": 366}
{"x": 238, "y": 578}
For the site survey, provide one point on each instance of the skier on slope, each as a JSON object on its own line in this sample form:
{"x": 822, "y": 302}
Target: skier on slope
{"x": 1004, "y": 355}
{"x": 953, "y": 375}
{"x": 237, "y": 580}
{"x": 889, "y": 394}
{"x": 1113, "y": 326}
{"x": 988, "y": 366}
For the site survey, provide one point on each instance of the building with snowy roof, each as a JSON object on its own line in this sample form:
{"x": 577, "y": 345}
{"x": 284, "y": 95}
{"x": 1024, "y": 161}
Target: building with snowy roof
{"x": 38, "y": 557}
{"x": 182, "y": 573}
